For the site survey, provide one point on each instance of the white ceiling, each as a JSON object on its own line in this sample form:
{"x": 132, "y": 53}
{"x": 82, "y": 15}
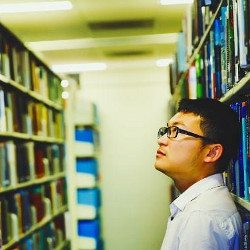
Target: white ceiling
{"x": 100, "y": 31}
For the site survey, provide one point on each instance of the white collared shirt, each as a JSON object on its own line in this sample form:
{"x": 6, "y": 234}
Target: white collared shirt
{"x": 204, "y": 217}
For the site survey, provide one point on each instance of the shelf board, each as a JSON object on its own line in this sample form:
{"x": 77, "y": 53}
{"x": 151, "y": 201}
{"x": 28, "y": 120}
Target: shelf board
{"x": 36, "y": 138}
{"x": 33, "y": 182}
{"x": 46, "y": 139}
{"x": 241, "y": 201}
{"x": 238, "y": 88}
{"x": 39, "y": 225}
{"x": 31, "y": 93}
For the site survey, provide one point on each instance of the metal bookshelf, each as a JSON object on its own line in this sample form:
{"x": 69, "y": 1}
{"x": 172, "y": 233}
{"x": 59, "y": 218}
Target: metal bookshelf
{"x": 241, "y": 201}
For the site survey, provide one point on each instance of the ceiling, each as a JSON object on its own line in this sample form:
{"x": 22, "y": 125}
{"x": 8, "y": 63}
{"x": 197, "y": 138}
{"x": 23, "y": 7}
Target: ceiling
{"x": 111, "y": 31}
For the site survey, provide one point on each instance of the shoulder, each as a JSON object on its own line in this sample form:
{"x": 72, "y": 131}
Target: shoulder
{"x": 216, "y": 209}
{"x": 215, "y": 200}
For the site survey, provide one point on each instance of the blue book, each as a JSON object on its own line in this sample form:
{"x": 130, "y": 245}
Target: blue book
{"x": 84, "y": 135}
{"x": 87, "y": 166}
{"x": 26, "y": 212}
{"x": 244, "y": 150}
{"x": 89, "y": 229}
{"x": 240, "y": 156}
{"x": 217, "y": 56}
{"x": 90, "y": 197}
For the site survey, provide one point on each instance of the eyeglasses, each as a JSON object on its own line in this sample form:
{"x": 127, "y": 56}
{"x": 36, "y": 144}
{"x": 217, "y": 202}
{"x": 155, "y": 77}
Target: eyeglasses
{"x": 172, "y": 132}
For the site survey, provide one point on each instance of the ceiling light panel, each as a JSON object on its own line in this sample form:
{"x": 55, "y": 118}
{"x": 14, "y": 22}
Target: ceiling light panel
{"x": 35, "y": 7}
{"x": 175, "y": 2}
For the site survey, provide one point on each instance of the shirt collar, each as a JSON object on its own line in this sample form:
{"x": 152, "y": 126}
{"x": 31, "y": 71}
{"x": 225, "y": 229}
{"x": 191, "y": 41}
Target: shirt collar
{"x": 195, "y": 190}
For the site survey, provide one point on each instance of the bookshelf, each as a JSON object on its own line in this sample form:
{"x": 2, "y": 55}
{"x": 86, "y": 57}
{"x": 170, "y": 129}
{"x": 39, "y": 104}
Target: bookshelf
{"x": 218, "y": 66}
{"x": 33, "y": 197}
{"x": 39, "y": 225}
{"x": 83, "y": 151}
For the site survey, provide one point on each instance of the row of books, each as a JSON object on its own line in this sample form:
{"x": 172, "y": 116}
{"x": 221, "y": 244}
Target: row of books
{"x": 26, "y": 161}
{"x": 23, "y": 209}
{"x": 18, "y": 64}
{"x": 238, "y": 176}
{"x": 234, "y": 15}
{"x": 50, "y": 237}
{"x": 20, "y": 114}
{"x": 225, "y": 55}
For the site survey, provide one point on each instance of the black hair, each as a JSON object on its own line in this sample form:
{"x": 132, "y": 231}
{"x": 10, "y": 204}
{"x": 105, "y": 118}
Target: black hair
{"x": 218, "y": 122}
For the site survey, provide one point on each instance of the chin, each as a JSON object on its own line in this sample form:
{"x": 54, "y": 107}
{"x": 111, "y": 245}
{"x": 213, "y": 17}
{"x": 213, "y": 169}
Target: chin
{"x": 159, "y": 168}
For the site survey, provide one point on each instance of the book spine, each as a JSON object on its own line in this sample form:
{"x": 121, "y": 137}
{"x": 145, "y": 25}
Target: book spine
{"x": 244, "y": 151}
{"x": 217, "y": 56}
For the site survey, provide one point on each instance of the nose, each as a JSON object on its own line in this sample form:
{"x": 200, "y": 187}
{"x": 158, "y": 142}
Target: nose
{"x": 163, "y": 140}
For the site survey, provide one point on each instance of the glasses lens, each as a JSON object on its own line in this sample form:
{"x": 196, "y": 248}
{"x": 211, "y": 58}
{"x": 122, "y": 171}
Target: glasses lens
{"x": 162, "y": 131}
{"x": 173, "y": 131}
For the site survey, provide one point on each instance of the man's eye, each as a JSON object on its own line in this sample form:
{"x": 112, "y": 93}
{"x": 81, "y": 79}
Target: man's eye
{"x": 174, "y": 129}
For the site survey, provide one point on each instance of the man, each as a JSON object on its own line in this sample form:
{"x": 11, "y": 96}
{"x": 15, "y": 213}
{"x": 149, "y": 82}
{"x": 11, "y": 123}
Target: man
{"x": 194, "y": 149}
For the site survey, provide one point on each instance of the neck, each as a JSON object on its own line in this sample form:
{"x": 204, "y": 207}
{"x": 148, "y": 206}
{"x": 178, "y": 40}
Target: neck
{"x": 183, "y": 184}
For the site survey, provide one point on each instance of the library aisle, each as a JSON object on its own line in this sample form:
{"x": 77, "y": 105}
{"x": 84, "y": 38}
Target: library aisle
{"x": 84, "y": 88}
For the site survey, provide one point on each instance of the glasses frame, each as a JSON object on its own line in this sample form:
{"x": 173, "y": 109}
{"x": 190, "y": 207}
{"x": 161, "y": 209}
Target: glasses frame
{"x": 185, "y": 132}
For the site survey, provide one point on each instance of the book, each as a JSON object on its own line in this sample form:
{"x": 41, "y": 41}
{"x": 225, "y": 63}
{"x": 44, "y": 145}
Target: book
{"x": 4, "y": 165}
{"x": 244, "y": 151}
{"x": 22, "y": 159}
{"x": 39, "y": 163}
{"x": 11, "y": 158}
{"x": 217, "y": 57}
{"x": 242, "y": 34}
{"x": 36, "y": 199}
{"x": 8, "y": 111}
{"x": 5, "y": 228}
{"x": 230, "y": 46}
{"x": 3, "y": 127}
{"x": 246, "y": 234}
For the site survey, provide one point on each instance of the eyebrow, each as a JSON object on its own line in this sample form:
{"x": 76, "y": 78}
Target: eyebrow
{"x": 176, "y": 123}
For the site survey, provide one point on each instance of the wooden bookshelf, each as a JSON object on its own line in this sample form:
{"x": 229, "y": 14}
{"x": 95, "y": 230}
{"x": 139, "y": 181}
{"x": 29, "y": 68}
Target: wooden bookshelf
{"x": 34, "y": 182}
{"x": 35, "y": 138}
{"x": 36, "y": 96}
{"x": 32, "y": 140}
{"x": 39, "y": 225}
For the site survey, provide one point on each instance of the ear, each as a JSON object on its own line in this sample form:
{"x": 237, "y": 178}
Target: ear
{"x": 214, "y": 153}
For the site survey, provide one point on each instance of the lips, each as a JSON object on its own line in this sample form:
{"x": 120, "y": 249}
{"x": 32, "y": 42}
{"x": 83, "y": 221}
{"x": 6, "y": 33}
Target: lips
{"x": 160, "y": 153}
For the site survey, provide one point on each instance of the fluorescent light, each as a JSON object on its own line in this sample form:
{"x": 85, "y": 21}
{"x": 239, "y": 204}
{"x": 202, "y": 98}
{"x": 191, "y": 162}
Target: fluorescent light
{"x": 175, "y": 2}
{"x": 65, "y": 94}
{"x": 66, "y": 68}
{"x": 35, "y": 6}
{"x": 64, "y": 83}
{"x": 69, "y": 44}
{"x": 164, "y": 62}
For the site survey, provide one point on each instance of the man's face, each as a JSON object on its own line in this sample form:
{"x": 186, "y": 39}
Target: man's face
{"x": 181, "y": 156}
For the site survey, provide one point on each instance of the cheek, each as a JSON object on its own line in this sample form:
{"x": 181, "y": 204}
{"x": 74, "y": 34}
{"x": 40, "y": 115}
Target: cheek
{"x": 183, "y": 154}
